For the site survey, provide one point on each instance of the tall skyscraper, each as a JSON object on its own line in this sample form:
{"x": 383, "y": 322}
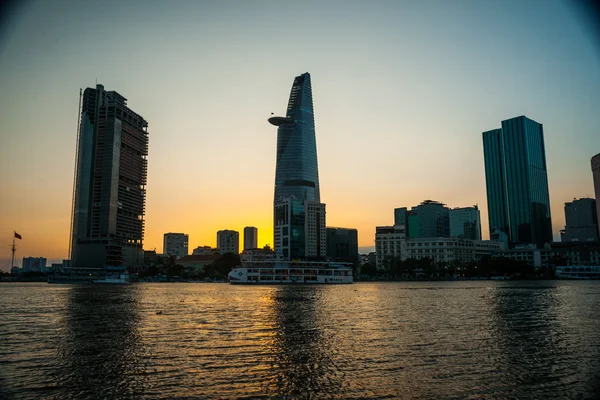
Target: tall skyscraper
{"x": 228, "y": 241}
{"x": 250, "y": 238}
{"x": 465, "y": 223}
{"x": 517, "y": 181}
{"x": 299, "y": 215}
{"x": 297, "y": 172}
{"x": 175, "y": 244}
{"x": 581, "y": 221}
{"x": 110, "y": 180}
{"x": 596, "y": 177}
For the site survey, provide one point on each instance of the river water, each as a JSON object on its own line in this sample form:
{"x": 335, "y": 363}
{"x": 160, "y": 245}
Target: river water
{"x": 405, "y": 340}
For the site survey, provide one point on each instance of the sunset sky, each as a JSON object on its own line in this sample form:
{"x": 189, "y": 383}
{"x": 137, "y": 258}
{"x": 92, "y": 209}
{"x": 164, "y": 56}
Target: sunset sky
{"x": 402, "y": 92}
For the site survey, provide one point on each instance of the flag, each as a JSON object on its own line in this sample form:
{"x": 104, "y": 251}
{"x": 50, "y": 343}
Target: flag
{"x": 18, "y": 236}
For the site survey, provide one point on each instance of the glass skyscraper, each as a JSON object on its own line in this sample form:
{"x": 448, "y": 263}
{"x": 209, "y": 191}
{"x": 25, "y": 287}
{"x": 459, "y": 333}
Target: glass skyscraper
{"x": 299, "y": 216}
{"x": 517, "y": 181}
{"x": 297, "y": 172}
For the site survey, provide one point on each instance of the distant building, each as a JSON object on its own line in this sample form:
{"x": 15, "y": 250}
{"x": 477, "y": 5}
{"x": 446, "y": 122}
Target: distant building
{"x": 110, "y": 182}
{"x": 555, "y": 254}
{"x": 581, "y": 221}
{"x": 428, "y": 219}
{"x": 197, "y": 263}
{"x": 465, "y": 223}
{"x": 250, "y": 238}
{"x": 342, "y": 244}
{"x": 254, "y": 255}
{"x": 175, "y": 244}
{"x": 204, "y": 250}
{"x": 391, "y": 245}
{"x": 299, "y": 230}
{"x": 517, "y": 182}
{"x": 34, "y": 264}
{"x": 499, "y": 236}
{"x": 596, "y": 177}
{"x": 395, "y": 242}
{"x": 388, "y": 244}
{"x": 228, "y": 241}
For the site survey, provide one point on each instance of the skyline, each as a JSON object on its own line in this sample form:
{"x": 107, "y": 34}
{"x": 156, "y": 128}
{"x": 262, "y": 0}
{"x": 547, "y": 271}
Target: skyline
{"x": 402, "y": 95}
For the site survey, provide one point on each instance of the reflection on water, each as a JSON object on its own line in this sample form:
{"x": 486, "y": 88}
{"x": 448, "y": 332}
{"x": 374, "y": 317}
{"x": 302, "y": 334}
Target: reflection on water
{"x": 99, "y": 354}
{"x": 302, "y": 358}
{"x": 418, "y": 340}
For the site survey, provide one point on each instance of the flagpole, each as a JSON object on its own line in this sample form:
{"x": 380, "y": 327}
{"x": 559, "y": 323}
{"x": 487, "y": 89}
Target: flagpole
{"x": 12, "y": 260}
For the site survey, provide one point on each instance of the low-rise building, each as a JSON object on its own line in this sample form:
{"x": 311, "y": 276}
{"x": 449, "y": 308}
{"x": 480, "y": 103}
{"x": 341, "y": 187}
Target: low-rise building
{"x": 556, "y": 254}
{"x": 197, "y": 263}
{"x": 34, "y": 264}
{"x": 257, "y": 255}
{"x": 203, "y": 250}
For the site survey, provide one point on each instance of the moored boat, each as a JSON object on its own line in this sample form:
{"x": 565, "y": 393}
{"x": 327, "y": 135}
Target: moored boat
{"x": 577, "y": 272}
{"x": 294, "y": 272}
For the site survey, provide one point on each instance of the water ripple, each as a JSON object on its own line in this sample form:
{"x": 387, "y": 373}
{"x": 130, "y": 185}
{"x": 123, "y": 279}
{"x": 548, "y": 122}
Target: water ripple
{"x": 420, "y": 340}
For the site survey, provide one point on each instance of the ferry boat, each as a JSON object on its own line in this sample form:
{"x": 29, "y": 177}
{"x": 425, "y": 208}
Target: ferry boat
{"x": 294, "y": 272}
{"x": 577, "y": 272}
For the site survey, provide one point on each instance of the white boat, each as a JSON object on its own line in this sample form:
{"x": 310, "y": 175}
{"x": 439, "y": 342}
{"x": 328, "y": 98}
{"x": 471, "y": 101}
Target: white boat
{"x": 577, "y": 272}
{"x": 121, "y": 279}
{"x": 294, "y": 272}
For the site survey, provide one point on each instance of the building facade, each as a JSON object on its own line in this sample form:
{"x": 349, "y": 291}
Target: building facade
{"x": 228, "y": 241}
{"x": 34, "y": 264}
{"x": 299, "y": 215}
{"x": 257, "y": 255}
{"x": 388, "y": 244}
{"x": 300, "y": 232}
{"x": 204, "y": 250}
{"x": 517, "y": 181}
{"x": 110, "y": 180}
{"x": 392, "y": 245}
{"x": 581, "y": 221}
{"x": 342, "y": 244}
{"x": 465, "y": 223}
{"x": 428, "y": 219}
{"x": 175, "y": 244}
{"x": 596, "y": 177}
{"x": 250, "y": 238}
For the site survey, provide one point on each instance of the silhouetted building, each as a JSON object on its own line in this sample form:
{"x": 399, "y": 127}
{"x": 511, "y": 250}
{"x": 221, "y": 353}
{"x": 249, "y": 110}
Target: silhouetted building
{"x": 581, "y": 221}
{"x": 196, "y": 264}
{"x": 34, "y": 264}
{"x": 299, "y": 230}
{"x": 256, "y": 255}
{"x": 110, "y": 180}
{"x": 250, "y": 238}
{"x": 299, "y": 215}
{"x": 596, "y": 177}
{"x": 465, "y": 223}
{"x": 517, "y": 181}
{"x": 204, "y": 250}
{"x": 228, "y": 241}
{"x": 175, "y": 244}
{"x": 429, "y": 219}
{"x": 342, "y": 244}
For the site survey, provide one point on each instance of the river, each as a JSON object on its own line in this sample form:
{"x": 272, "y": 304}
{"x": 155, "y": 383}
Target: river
{"x": 405, "y": 340}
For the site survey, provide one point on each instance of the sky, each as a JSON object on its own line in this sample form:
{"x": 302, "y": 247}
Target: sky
{"x": 402, "y": 92}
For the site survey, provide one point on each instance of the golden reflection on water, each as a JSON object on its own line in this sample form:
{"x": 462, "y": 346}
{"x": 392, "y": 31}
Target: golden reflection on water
{"x": 374, "y": 340}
